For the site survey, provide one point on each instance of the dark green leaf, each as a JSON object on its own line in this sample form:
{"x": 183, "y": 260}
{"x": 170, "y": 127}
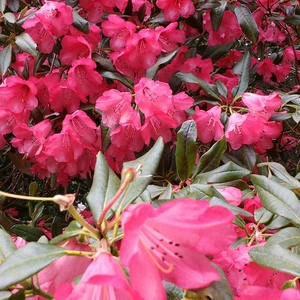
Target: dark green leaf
{"x": 149, "y": 163}
{"x": 104, "y": 63}
{"x": 117, "y": 76}
{"x": 28, "y": 233}
{"x": 242, "y": 68}
{"x": 5, "y": 222}
{"x": 5, "y": 59}
{"x": 39, "y": 62}
{"x": 279, "y": 117}
{"x": 163, "y": 59}
{"x": 7, "y": 246}
{"x": 228, "y": 172}
{"x": 209, "y": 89}
{"x": 186, "y": 149}
{"x": 221, "y": 87}
{"x": 27, "y": 261}
{"x": 21, "y": 164}
{"x": 216, "y": 52}
{"x": 211, "y": 159}
{"x": 105, "y": 185}
{"x": 80, "y": 23}
{"x": 26, "y": 43}
{"x": 262, "y": 215}
{"x": 216, "y": 15}
{"x": 234, "y": 209}
{"x": 294, "y": 20}
{"x": 286, "y": 237}
{"x": 277, "y": 198}
{"x": 276, "y": 257}
{"x": 247, "y": 22}
{"x": 71, "y": 231}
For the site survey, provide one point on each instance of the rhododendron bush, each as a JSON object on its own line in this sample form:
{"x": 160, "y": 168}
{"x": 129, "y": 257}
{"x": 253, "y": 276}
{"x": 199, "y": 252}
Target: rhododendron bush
{"x": 149, "y": 149}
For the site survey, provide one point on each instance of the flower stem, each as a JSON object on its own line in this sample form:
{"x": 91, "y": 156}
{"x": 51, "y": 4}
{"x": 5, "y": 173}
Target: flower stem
{"x": 23, "y": 197}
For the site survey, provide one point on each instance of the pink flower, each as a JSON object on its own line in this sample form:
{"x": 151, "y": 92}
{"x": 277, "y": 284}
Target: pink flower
{"x": 286, "y": 141}
{"x": 208, "y": 124}
{"x": 262, "y": 106}
{"x": 169, "y": 37}
{"x": 82, "y": 77}
{"x": 232, "y": 195}
{"x": 266, "y": 68}
{"x": 175, "y": 9}
{"x": 56, "y": 17}
{"x": 18, "y": 94}
{"x": 243, "y": 130}
{"x": 118, "y": 30}
{"x": 103, "y": 279}
{"x": 115, "y": 106}
{"x": 170, "y": 243}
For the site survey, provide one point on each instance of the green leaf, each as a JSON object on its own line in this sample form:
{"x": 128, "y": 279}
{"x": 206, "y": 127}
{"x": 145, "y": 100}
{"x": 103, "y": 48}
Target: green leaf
{"x": 286, "y": 237}
{"x": 104, "y": 63}
{"x": 216, "y": 52}
{"x": 280, "y": 171}
{"x": 149, "y": 162}
{"x": 234, "y": 209}
{"x": 278, "y": 222}
{"x": 221, "y": 87}
{"x": 117, "y": 76}
{"x": 247, "y": 22}
{"x": 227, "y": 172}
{"x": 2, "y": 5}
{"x": 27, "y": 261}
{"x": 262, "y": 215}
{"x": 5, "y": 295}
{"x": 80, "y": 23}
{"x": 294, "y": 20}
{"x": 276, "y": 257}
{"x": 5, "y": 59}
{"x": 73, "y": 230}
{"x": 10, "y": 17}
{"x": 277, "y": 198}
{"x": 28, "y": 233}
{"x": 21, "y": 164}
{"x": 163, "y": 59}
{"x": 210, "y": 89}
{"x": 7, "y": 245}
{"x": 186, "y": 149}
{"x": 216, "y": 15}
{"x": 105, "y": 185}
{"x": 210, "y": 160}
{"x": 26, "y": 43}
{"x": 242, "y": 68}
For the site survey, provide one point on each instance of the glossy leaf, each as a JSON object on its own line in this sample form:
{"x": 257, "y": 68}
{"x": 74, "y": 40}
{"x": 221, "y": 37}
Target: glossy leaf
{"x": 275, "y": 256}
{"x": 26, "y": 43}
{"x": 216, "y": 52}
{"x": 186, "y": 149}
{"x": 73, "y": 230}
{"x": 105, "y": 185}
{"x": 210, "y": 89}
{"x": 163, "y": 59}
{"x": 277, "y": 198}
{"x": 117, "y": 76}
{"x": 5, "y": 59}
{"x": 28, "y": 233}
{"x": 222, "y": 89}
{"x": 286, "y": 237}
{"x": 80, "y": 23}
{"x": 211, "y": 159}
{"x": 149, "y": 163}
{"x": 242, "y": 68}
{"x": 27, "y": 261}
{"x": 228, "y": 172}
{"x": 216, "y": 15}
{"x": 247, "y": 22}
{"x": 7, "y": 245}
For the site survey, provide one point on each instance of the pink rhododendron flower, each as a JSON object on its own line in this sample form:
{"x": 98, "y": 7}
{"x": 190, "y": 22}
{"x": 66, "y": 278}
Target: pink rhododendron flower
{"x": 265, "y": 68}
{"x": 281, "y": 72}
{"x": 169, "y": 37}
{"x": 286, "y": 141}
{"x": 18, "y": 94}
{"x": 74, "y": 48}
{"x": 208, "y": 124}
{"x": 257, "y": 292}
{"x": 229, "y": 60}
{"x": 115, "y": 107}
{"x": 243, "y": 130}
{"x": 232, "y": 195}
{"x": 104, "y": 279}
{"x": 56, "y": 17}
{"x": 118, "y": 30}
{"x": 175, "y": 9}
{"x": 7, "y": 124}
{"x": 170, "y": 245}
{"x": 82, "y": 78}
{"x": 260, "y": 105}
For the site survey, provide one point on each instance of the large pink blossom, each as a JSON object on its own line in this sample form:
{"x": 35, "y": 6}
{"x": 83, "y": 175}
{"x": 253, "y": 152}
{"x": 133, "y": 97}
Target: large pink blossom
{"x": 170, "y": 243}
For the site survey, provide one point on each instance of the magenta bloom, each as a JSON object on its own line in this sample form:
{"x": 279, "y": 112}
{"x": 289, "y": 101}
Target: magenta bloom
{"x": 171, "y": 242}
{"x": 208, "y": 124}
{"x": 104, "y": 279}
{"x": 175, "y": 9}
